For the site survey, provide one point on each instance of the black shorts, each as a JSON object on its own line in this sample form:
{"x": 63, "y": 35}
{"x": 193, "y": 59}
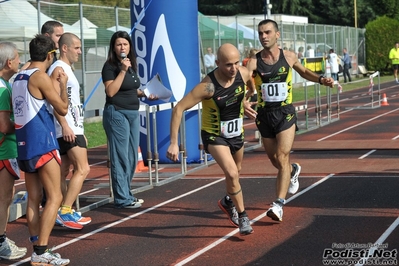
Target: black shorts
{"x": 395, "y": 66}
{"x": 235, "y": 144}
{"x": 270, "y": 122}
{"x": 65, "y": 146}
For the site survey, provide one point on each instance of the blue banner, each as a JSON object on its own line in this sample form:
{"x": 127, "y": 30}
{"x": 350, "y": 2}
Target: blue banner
{"x": 165, "y": 38}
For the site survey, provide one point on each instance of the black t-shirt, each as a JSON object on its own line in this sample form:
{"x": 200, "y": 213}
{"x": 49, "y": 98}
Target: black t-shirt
{"x": 126, "y": 98}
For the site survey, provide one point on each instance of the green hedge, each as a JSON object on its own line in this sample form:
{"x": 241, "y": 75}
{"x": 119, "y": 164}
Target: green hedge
{"x": 381, "y": 35}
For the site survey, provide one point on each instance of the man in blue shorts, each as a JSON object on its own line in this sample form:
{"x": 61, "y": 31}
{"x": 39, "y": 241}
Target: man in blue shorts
{"x": 38, "y": 156}
{"x": 222, "y": 95}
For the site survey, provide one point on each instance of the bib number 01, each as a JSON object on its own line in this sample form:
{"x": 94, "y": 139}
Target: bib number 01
{"x": 274, "y": 92}
{"x": 231, "y": 128}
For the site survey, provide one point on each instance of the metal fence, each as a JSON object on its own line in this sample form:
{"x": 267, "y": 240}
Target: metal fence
{"x": 96, "y": 24}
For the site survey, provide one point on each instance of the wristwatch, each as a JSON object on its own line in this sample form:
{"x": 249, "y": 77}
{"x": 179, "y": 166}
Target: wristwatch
{"x": 321, "y": 77}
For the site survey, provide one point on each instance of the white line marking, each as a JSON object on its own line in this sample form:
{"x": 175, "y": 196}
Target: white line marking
{"x": 380, "y": 241}
{"x": 397, "y": 137}
{"x": 125, "y": 219}
{"x": 217, "y": 242}
{"x": 359, "y": 124}
{"x": 367, "y": 154}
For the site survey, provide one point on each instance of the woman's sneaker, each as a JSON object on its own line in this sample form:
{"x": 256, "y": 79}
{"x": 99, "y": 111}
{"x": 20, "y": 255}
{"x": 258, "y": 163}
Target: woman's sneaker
{"x": 48, "y": 258}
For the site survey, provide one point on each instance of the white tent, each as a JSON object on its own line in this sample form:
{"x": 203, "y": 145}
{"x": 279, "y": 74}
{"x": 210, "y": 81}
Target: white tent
{"x": 248, "y": 32}
{"x": 113, "y": 28}
{"x": 86, "y": 24}
{"x": 19, "y": 22}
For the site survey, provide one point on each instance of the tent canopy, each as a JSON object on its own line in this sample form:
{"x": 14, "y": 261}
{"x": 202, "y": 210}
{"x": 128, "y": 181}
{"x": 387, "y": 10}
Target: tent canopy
{"x": 20, "y": 22}
{"x": 248, "y": 32}
{"x": 103, "y": 38}
{"x": 86, "y": 24}
{"x": 113, "y": 28}
{"x": 209, "y": 29}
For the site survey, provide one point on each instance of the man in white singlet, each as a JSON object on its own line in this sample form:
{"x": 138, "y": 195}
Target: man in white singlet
{"x": 70, "y": 135}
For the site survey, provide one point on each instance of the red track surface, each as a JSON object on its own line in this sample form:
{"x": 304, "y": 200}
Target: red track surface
{"x": 348, "y": 194}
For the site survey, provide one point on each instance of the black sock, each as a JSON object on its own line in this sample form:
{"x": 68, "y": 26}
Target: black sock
{"x": 242, "y": 214}
{"x": 39, "y": 250}
{"x": 228, "y": 200}
{"x": 293, "y": 169}
{"x": 2, "y": 238}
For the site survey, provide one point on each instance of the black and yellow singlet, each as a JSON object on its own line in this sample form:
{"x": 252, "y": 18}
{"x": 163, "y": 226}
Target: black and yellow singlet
{"x": 273, "y": 82}
{"x": 223, "y": 114}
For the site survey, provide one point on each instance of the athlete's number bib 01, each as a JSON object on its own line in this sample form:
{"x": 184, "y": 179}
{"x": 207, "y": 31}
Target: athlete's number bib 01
{"x": 274, "y": 92}
{"x": 231, "y": 128}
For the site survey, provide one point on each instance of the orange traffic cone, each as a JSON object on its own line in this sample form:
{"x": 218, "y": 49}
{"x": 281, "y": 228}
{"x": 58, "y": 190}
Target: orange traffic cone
{"x": 140, "y": 163}
{"x": 384, "y": 100}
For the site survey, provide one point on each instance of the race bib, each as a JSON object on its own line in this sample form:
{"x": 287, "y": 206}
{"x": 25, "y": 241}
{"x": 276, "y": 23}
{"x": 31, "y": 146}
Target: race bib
{"x": 274, "y": 92}
{"x": 231, "y": 128}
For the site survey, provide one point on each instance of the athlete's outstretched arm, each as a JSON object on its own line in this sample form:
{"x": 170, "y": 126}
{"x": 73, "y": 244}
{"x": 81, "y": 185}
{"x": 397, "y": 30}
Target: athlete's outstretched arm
{"x": 203, "y": 90}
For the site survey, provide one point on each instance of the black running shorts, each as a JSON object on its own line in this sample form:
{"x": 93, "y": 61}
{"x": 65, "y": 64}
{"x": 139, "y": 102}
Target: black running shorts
{"x": 235, "y": 144}
{"x": 65, "y": 146}
{"x": 270, "y": 122}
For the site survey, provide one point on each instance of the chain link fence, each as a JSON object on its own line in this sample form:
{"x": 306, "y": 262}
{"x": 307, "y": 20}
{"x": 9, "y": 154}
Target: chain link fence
{"x": 22, "y": 19}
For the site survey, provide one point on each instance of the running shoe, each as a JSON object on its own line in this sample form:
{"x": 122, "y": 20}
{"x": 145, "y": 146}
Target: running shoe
{"x": 230, "y": 210}
{"x": 294, "y": 182}
{"x": 81, "y": 219}
{"x": 9, "y": 251}
{"x": 275, "y": 212}
{"x": 68, "y": 220}
{"x": 245, "y": 226}
{"x": 48, "y": 258}
{"x": 12, "y": 244}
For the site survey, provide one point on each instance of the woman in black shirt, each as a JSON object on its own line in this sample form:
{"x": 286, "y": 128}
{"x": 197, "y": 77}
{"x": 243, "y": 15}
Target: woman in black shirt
{"x": 121, "y": 116}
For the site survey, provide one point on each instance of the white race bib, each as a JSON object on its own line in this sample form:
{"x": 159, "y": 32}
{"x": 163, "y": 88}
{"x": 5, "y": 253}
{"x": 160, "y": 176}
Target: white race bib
{"x": 274, "y": 92}
{"x": 231, "y": 128}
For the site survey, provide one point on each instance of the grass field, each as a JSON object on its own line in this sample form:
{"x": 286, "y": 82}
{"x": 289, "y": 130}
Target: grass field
{"x": 96, "y": 135}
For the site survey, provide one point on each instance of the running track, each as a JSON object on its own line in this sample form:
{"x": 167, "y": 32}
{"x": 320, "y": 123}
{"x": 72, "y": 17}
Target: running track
{"x": 348, "y": 194}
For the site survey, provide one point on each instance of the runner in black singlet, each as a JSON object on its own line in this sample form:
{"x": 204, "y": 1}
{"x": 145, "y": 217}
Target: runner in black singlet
{"x": 276, "y": 119}
{"x": 223, "y": 105}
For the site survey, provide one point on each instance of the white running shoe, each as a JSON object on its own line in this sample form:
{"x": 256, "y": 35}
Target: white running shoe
{"x": 275, "y": 212}
{"x": 48, "y": 258}
{"x": 9, "y": 251}
{"x": 294, "y": 182}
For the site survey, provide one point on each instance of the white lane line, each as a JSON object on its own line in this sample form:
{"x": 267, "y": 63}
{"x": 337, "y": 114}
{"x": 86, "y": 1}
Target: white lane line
{"x": 125, "y": 219}
{"x": 217, "y": 242}
{"x": 379, "y": 242}
{"x": 395, "y": 138}
{"x": 359, "y": 124}
{"x": 367, "y": 154}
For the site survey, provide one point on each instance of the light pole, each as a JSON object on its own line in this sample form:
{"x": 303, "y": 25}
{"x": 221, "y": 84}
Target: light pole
{"x": 355, "y": 9}
{"x": 268, "y": 8}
